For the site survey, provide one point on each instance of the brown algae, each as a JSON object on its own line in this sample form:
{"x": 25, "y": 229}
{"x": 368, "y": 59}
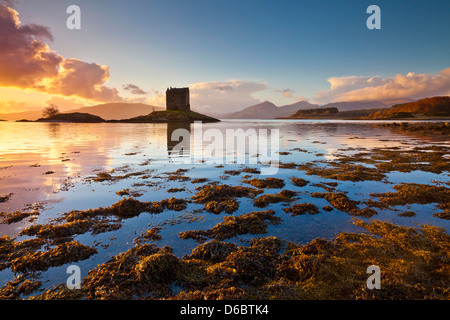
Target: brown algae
{"x": 99, "y": 220}
{"x": 302, "y": 208}
{"x": 341, "y": 202}
{"x": 299, "y": 182}
{"x": 409, "y": 193}
{"x": 266, "y": 183}
{"x": 6, "y": 197}
{"x": 282, "y": 196}
{"x": 249, "y": 223}
{"x": 219, "y": 198}
{"x": 270, "y": 268}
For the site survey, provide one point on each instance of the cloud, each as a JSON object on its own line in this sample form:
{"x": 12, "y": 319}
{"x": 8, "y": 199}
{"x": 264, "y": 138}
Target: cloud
{"x": 287, "y": 93}
{"x": 412, "y": 85}
{"x": 225, "y": 96}
{"x": 134, "y": 89}
{"x": 26, "y": 61}
{"x": 158, "y": 100}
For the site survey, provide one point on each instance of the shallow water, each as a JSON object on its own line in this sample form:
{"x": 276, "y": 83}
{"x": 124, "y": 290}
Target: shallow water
{"x": 50, "y": 166}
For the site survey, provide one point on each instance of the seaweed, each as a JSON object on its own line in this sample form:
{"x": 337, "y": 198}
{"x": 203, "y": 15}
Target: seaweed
{"x": 218, "y": 198}
{"x": 444, "y": 214}
{"x": 414, "y": 264}
{"x": 6, "y": 197}
{"x": 266, "y": 199}
{"x": 408, "y": 193}
{"x": 97, "y": 220}
{"x": 15, "y": 216}
{"x": 62, "y": 254}
{"x": 12, "y": 290}
{"x": 174, "y": 190}
{"x": 213, "y": 251}
{"x": 407, "y": 214}
{"x": 249, "y": 223}
{"x": 142, "y": 271}
{"x": 342, "y": 202}
{"x": 266, "y": 183}
{"x": 178, "y": 175}
{"x": 299, "y": 182}
{"x": 344, "y": 172}
{"x": 302, "y": 208}
{"x": 151, "y": 234}
{"x": 199, "y": 180}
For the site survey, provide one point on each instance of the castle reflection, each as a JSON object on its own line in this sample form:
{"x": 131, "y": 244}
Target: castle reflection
{"x": 178, "y": 139}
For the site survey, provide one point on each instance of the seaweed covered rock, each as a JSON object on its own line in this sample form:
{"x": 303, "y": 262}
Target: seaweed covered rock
{"x": 414, "y": 264}
{"x": 213, "y": 251}
{"x": 266, "y": 199}
{"x": 266, "y": 183}
{"x": 218, "y": 198}
{"x": 63, "y": 253}
{"x": 302, "y": 208}
{"x": 161, "y": 267}
{"x": 249, "y": 223}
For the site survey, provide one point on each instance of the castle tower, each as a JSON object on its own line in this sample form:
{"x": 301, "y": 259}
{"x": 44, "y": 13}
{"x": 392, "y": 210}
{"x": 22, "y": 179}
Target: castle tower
{"x": 177, "y": 99}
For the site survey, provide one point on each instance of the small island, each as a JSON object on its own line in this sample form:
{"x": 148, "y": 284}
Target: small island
{"x": 170, "y": 116}
{"x": 178, "y": 110}
{"x": 72, "y": 117}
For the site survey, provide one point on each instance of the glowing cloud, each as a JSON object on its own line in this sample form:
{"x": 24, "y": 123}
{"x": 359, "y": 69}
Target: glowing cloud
{"x": 27, "y": 62}
{"x": 412, "y": 85}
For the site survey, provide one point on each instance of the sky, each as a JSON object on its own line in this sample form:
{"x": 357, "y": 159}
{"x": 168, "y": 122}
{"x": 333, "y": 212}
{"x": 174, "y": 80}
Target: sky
{"x": 232, "y": 54}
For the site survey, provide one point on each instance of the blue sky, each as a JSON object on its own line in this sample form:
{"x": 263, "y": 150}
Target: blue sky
{"x": 282, "y": 45}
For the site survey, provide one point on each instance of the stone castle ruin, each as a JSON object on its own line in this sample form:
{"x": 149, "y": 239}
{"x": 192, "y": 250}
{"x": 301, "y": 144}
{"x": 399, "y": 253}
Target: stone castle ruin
{"x": 177, "y": 99}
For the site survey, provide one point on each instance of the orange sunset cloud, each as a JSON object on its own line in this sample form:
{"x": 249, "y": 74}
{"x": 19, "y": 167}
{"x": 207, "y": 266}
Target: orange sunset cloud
{"x": 27, "y": 62}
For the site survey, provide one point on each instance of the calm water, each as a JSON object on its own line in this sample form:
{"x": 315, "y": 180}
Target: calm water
{"x": 49, "y": 166}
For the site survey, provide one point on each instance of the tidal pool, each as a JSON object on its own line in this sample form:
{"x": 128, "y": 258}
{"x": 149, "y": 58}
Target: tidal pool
{"x": 53, "y": 168}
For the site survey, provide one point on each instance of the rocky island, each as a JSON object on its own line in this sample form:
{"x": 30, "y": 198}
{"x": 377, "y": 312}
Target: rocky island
{"x": 72, "y": 117}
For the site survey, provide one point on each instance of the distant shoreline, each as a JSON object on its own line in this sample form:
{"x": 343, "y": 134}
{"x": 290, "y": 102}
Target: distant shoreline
{"x": 225, "y": 119}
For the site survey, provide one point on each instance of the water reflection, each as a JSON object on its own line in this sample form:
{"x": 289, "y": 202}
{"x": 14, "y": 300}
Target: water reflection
{"x": 178, "y": 139}
{"x": 54, "y": 129}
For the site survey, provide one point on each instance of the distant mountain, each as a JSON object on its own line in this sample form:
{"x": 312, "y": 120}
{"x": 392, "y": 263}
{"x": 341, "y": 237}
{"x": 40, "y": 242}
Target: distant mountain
{"x": 29, "y": 115}
{"x": 267, "y": 110}
{"x": 118, "y": 111}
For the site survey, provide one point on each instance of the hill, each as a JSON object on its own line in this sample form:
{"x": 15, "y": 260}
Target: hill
{"x": 116, "y": 111}
{"x": 268, "y": 110}
{"x": 169, "y": 116}
{"x": 30, "y": 115}
{"x": 331, "y": 113}
{"x": 319, "y": 112}
{"x": 73, "y": 117}
{"x": 423, "y": 108}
